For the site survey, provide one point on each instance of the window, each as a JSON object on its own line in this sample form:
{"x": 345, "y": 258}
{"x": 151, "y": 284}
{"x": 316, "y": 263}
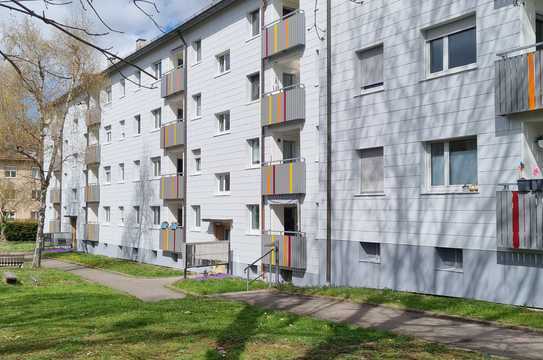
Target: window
{"x": 370, "y": 252}
{"x": 122, "y": 83}
{"x": 156, "y": 215}
{"x": 449, "y": 259}
{"x": 10, "y": 215}
{"x": 121, "y": 215}
{"x": 254, "y": 218}
{"x": 254, "y": 151}
{"x": 10, "y": 171}
{"x": 75, "y": 125}
{"x": 107, "y": 174}
{"x": 137, "y": 124}
{"x": 197, "y": 105}
{"x": 122, "y": 126}
{"x": 180, "y": 217}
{"x": 452, "y": 163}
{"x": 35, "y": 195}
{"x": 109, "y": 96}
{"x": 137, "y": 214}
{"x": 371, "y": 171}
{"x": 287, "y": 10}
{"x": 197, "y": 155}
{"x": 75, "y": 194}
{"x": 35, "y": 173}
{"x": 223, "y": 61}
{"x": 197, "y": 217}
{"x": 452, "y": 46}
{"x": 108, "y": 133}
{"x": 197, "y": 46}
{"x": 157, "y": 70}
{"x": 107, "y": 214}
{"x": 254, "y": 85}
{"x": 180, "y": 114}
{"x": 121, "y": 172}
{"x": 138, "y": 78}
{"x": 254, "y": 22}
{"x": 223, "y": 122}
{"x": 371, "y": 73}
{"x": 157, "y": 117}
{"x": 155, "y": 162}
{"x": 223, "y": 183}
{"x": 136, "y": 170}
{"x": 288, "y": 80}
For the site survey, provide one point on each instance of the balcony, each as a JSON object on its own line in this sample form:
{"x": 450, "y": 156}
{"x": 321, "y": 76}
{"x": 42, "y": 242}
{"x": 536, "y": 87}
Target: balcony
{"x": 92, "y": 155}
{"x": 172, "y": 240}
{"x": 172, "y": 187}
{"x": 282, "y": 106}
{"x": 172, "y": 135}
{"x": 519, "y": 84}
{"x": 283, "y": 177}
{"x": 91, "y": 232}
{"x": 54, "y": 226}
{"x": 173, "y": 82}
{"x": 54, "y": 195}
{"x": 72, "y": 208}
{"x": 291, "y": 249}
{"x": 92, "y": 193}
{"x": 519, "y": 216}
{"x": 93, "y": 117}
{"x": 283, "y": 35}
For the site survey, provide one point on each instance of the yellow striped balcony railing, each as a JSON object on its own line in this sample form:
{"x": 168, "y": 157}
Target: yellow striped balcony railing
{"x": 172, "y": 187}
{"x": 284, "y": 34}
{"x": 290, "y": 249}
{"x": 93, "y": 117}
{"x": 92, "y": 155}
{"x": 173, "y": 82}
{"x": 284, "y": 177}
{"x": 55, "y": 196}
{"x": 282, "y": 106}
{"x": 172, "y": 240}
{"x": 92, "y": 193}
{"x": 91, "y": 232}
{"x": 54, "y": 226}
{"x": 172, "y": 135}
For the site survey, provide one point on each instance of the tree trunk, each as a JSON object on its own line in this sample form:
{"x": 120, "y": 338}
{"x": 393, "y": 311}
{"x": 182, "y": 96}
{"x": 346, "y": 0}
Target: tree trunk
{"x": 36, "y": 261}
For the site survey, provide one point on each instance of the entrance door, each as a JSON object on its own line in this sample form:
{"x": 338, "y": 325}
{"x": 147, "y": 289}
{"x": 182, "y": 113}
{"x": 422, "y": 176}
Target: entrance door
{"x": 73, "y": 228}
{"x": 291, "y": 219}
{"x": 221, "y": 231}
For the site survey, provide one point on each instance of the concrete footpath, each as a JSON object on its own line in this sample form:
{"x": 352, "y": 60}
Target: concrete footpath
{"x": 145, "y": 289}
{"x": 486, "y": 338}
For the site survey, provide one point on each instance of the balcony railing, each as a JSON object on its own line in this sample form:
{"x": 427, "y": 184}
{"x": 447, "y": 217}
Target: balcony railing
{"x": 72, "y": 208}
{"x": 93, "y": 117}
{"x": 92, "y": 193}
{"x": 284, "y": 34}
{"x": 519, "y": 82}
{"x": 54, "y": 226}
{"x": 284, "y": 177}
{"x": 173, "y": 82}
{"x": 172, "y": 240}
{"x": 91, "y": 232}
{"x": 290, "y": 249}
{"x": 519, "y": 219}
{"x": 172, "y": 187}
{"x": 172, "y": 135}
{"x": 55, "y": 196}
{"x": 92, "y": 155}
{"x": 283, "y": 105}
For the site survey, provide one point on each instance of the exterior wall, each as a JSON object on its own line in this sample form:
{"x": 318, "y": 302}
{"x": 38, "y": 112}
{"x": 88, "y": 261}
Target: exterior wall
{"x": 22, "y": 205}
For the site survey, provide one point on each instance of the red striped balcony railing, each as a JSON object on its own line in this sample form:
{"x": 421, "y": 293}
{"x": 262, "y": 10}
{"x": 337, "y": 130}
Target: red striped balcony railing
{"x": 172, "y": 240}
{"x": 290, "y": 249}
{"x": 282, "y": 106}
{"x": 172, "y": 135}
{"x": 173, "y": 82}
{"x": 284, "y": 34}
{"x": 172, "y": 187}
{"x": 284, "y": 177}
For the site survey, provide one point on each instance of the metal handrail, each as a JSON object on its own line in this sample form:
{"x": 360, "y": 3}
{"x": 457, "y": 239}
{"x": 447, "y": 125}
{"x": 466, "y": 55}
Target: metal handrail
{"x": 284, "y": 89}
{"x": 171, "y": 122}
{"x": 505, "y": 53}
{"x": 273, "y": 232}
{"x": 283, "y": 161}
{"x": 173, "y": 174}
{"x": 295, "y": 12}
{"x": 246, "y": 270}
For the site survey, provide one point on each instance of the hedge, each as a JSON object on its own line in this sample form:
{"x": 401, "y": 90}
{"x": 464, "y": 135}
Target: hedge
{"x": 21, "y": 231}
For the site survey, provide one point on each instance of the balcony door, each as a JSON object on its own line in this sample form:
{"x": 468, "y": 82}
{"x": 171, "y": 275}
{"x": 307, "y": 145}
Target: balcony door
{"x": 291, "y": 219}
{"x": 221, "y": 231}
{"x": 290, "y": 150}
{"x": 180, "y": 167}
{"x": 539, "y": 30}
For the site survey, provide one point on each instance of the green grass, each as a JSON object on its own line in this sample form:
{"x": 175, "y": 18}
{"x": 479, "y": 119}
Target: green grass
{"x": 123, "y": 266}
{"x": 466, "y": 308}
{"x": 218, "y": 286}
{"x": 56, "y": 315}
{"x": 16, "y": 246}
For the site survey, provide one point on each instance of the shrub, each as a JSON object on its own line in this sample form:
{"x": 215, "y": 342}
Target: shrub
{"x": 21, "y": 230}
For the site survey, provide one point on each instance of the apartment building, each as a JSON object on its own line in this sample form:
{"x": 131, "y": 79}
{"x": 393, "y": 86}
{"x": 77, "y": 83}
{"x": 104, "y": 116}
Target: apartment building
{"x": 434, "y": 117}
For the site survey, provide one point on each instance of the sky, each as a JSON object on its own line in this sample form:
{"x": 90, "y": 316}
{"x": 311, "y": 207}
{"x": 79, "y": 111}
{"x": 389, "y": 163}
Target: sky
{"x": 121, "y": 15}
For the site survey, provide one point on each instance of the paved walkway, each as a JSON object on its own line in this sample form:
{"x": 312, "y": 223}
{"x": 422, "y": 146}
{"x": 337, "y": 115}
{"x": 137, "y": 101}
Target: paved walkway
{"x": 495, "y": 340}
{"x": 143, "y": 288}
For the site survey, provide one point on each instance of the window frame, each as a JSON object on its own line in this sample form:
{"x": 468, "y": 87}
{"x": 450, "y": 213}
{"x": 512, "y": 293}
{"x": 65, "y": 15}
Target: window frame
{"x": 378, "y": 86}
{"x": 250, "y": 209}
{"x": 137, "y": 211}
{"x": 122, "y": 173}
{"x": 251, "y": 143}
{"x": 197, "y": 157}
{"x": 156, "y": 167}
{"x": 441, "y": 263}
{"x": 224, "y": 62}
{"x": 197, "y": 99}
{"x": 107, "y": 175}
{"x": 109, "y": 135}
{"x": 122, "y": 125}
{"x": 224, "y": 185}
{"x": 364, "y": 255}
{"x": 107, "y": 215}
{"x": 223, "y": 118}
{"x": 197, "y": 212}
{"x": 10, "y": 171}
{"x": 136, "y": 170}
{"x": 197, "y": 51}
{"x": 122, "y": 83}
{"x": 251, "y": 16}
{"x": 157, "y": 116}
{"x": 250, "y": 79}
{"x": 137, "y": 74}
{"x": 156, "y": 215}
{"x": 157, "y": 70}
{"x": 137, "y": 124}
{"x": 122, "y": 218}
{"x": 361, "y": 190}
{"x": 109, "y": 94}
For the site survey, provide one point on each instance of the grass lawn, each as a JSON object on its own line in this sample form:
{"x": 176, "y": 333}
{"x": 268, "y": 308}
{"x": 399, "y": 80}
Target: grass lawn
{"x": 16, "y": 246}
{"x": 61, "y": 316}
{"x": 218, "y": 286}
{"x": 123, "y": 266}
{"x": 466, "y": 308}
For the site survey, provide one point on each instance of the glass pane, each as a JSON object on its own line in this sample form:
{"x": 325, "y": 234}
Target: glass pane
{"x": 438, "y": 164}
{"x": 462, "y": 48}
{"x": 436, "y": 55}
{"x": 539, "y": 30}
{"x": 463, "y": 162}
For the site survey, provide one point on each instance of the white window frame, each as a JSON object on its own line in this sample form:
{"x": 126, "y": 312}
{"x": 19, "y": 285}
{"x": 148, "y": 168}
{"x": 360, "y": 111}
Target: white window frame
{"x": 223, "y": 122}
{"x": 10, "y": 171}
{"x": 107, "y": 175}
{"x": 224, "y": 62}
{"x": 157, "y": 118}
{"x": 197, "y": 212}
{"x": 250, "y": 209}
{"x": 35, "y": 172}
{"x": 107, "y": 215}
{"x": 137, "y": 212}
{"x": 121, "y": 216}
{"x": 251, "y": 144}
{"x": 361, "y": 190}
{"x": 224, "y": 184}
{"x": 197, "y": 99}
{"x": 156, "y": 166}
{"x": 157, "y": 69}
{"x": 122, "y": 83}
{"x": 122, "y": 125}
{"x": 122, "y": 173}
{"x": 197, "y": 156}
{"x": 109, "y": 94}
{"x": 137, "y": 170}
{"x": 197, "y": 51}
{"x": 109, "y": 137}
{"x": 459, "y": 260}
{"x": 156, "y": 215}
{"x": 137, "y": 74}
{"x": 364, "y": 256}
{"x": 137, "y": 124}
{"x": 377, "y": 87}
{"x": 251, "y": 16}
{"x": 250, "y": 90}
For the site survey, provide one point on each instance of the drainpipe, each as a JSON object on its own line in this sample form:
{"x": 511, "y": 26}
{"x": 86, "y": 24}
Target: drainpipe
{"x": 329, "y": 142}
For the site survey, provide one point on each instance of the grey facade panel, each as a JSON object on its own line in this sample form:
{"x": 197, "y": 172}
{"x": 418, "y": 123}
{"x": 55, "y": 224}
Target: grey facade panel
{"x": 284, "y": 105}
{"x": 172, "y": 188}
{"x": 285, "y": 34}
{"x": 284, "y": 178}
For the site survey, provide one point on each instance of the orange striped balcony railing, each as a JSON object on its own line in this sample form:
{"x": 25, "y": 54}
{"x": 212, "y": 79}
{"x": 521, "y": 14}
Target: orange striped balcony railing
{"x": 172, "y": 135}
{"x": 172, "y": 240}
{"x": 290, "y": 249}
{"x": 91, "y": 232}
{"x": 92, "y": 193}
{"x": 284, "y": 34}
{"x": 282, "y": 106}
{"x": 173, "y": 82}
{"x": 284, "y": 177}
{"x": 172, "y": 187}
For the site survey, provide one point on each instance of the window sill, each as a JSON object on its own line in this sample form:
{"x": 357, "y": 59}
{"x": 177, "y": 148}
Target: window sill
{"x": 370, "y": 261}
{"x": 222, "y": 74}
{"x": 196, "y": 63}
{"x": 450, "y": 72}
{"x": 106, "y": 184}
{"x": 136, "y": 181}
{"x": 222, "y": 194}
{"x": 252, "y": 38}
{"x": 252, "y": 102}
{"x": 376, "y": 90}
{"x": 449, "y": 192}
{"x": 362, "y": 195}
{"x": 196, "y": 174}
{"x": 452, "y": 270}
{"x": 137, "y": 135}
{"x": 154, "y": 131}
{"x": 252, "y": 233}
{"x": 253, "y": 167}
{"x": 196, "y": 230}
{"x": 196, "y": 118}
{"x": 121, "y": 182}
{"x": 222, "y": 133}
